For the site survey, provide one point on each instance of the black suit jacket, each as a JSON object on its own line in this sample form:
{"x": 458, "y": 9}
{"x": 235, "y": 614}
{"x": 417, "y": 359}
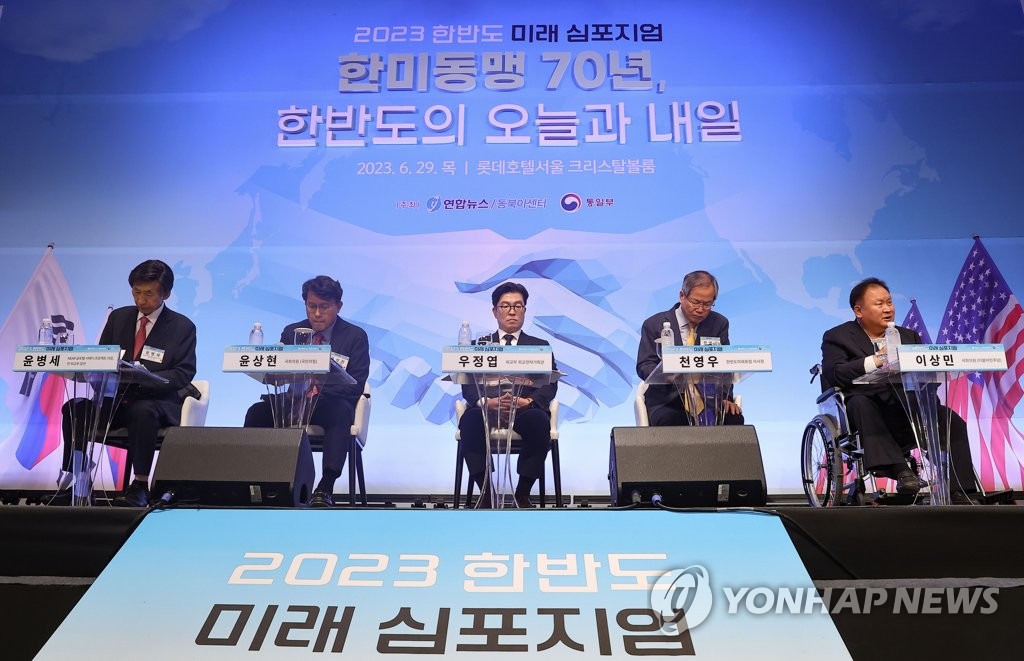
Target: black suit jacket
{"x": 541, "y": 396}
{"x": 843, "y": 350}
{"x": 174, "y": 333}
{"x": 647, "y": 356}
{"x": 348, "y": 340}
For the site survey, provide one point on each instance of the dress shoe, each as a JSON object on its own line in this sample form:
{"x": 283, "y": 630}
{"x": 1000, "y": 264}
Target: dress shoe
{"x": 136, "y": 495}
{"x": 483, "y": 501}
{"x": 907, "y": 482}
{"x": 321, "y": 499}
{"x": 960, "y": 498}
{"x": 61, "y": 498}
{"x": 523, "y": 502}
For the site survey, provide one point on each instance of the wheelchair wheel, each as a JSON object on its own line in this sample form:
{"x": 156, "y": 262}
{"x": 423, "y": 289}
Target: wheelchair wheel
{"x": 821, "y": 463}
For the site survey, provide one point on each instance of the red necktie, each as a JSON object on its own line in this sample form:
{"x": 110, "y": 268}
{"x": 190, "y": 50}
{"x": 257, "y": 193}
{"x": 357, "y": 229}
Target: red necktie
{"x": 140, "y": 337}
{"x": 318, "y": 338}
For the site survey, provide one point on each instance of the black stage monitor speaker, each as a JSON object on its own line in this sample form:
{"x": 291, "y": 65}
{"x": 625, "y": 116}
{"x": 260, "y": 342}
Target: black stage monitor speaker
{"x": 687, "y": 466}
{"x": 235, "y": 466}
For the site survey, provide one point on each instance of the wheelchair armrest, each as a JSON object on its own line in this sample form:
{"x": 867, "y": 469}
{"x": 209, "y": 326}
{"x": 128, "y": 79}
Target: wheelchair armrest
{"x": 829, "y": 394}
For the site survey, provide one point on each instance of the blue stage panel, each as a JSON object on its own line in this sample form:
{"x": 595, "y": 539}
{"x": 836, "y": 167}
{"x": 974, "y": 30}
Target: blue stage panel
{"x": 212, "y": 584}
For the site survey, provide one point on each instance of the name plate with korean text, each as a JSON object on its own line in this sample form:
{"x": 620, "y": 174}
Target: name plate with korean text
{"x": 717, "y": 358}
{"x": 66, "y": 358}
{"x": 952, "y": 357}
{"x": 313, "y": 358}
{"x": 496, "y": 358}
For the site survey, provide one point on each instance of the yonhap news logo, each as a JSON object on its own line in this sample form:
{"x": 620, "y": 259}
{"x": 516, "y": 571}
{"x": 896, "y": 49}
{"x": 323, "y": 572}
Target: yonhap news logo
{"x": 684, "y": 598}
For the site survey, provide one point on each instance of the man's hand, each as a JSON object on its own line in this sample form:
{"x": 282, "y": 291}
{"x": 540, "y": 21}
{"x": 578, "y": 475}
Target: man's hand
{"x": 503, "y": 405}
{"x": 732, "y": 408}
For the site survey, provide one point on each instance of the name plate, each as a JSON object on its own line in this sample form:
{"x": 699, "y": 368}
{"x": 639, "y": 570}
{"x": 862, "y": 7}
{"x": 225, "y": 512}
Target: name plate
{"x": 313, "y": 358}
{"x": 952, "y": 357}
{"x": 66, "y": 358}
{"x": 717, "y": 358}
{"x": 496, "y": 358}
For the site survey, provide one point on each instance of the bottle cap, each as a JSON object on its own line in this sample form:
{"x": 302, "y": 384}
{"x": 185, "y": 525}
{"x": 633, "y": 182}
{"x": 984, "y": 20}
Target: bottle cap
{"x": 667, "y": 324}
{"x": 257, "y": 325}
{"x": 465, "y": 323}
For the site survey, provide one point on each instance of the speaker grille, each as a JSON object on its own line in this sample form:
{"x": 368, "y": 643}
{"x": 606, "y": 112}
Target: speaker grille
{"x": 687, "y": 466}
{"x": 235, "y": 466}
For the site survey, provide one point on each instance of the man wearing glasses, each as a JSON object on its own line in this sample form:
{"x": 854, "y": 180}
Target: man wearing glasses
{"x": 532, "y": 421}
{"x": 693, "y": 322}
{"x": 336, "y": 402}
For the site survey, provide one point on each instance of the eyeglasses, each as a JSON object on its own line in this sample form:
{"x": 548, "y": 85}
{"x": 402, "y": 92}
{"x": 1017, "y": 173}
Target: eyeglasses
{"x": 700, "y": 305}
{"x": 509, "y": 307}
{"x": 322, "y": 307}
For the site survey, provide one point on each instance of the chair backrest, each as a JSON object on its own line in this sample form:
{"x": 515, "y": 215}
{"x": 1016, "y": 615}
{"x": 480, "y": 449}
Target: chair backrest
{"x": 361, "y": 421}
{"x": 640, "y": 406}
{"x": 193, "y": 411}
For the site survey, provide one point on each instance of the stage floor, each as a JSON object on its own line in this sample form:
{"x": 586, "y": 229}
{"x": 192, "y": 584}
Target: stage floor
{"x": 50, "y": 556}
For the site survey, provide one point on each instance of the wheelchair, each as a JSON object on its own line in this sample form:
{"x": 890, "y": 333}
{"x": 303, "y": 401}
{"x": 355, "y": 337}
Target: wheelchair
{"x": 832, "y": 459}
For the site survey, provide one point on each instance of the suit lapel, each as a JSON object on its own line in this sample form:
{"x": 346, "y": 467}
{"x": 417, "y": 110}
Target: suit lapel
{"x": 161, "y": 329}
{"x": 126, "y": 333}
{"x": 861, "y": 339}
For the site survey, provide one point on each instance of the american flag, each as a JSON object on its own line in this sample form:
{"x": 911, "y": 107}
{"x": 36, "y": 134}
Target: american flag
{"x": 982, "y": 309}
{"x": 914, "y": 321}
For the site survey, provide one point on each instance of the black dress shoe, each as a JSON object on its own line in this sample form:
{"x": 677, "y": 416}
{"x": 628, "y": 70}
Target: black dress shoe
{"x": 483, "y": 501}
{"x": 523, "y": 502}
{"x": 321, "y": 499}
{"x": 907, "y": 482}
{"x": 960, "y": 498}
{"x": 61, "y": 498}
{"x": 136, "y": 495}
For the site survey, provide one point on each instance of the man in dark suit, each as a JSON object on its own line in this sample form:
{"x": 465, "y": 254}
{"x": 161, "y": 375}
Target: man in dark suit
{"x": 160, "y": 340}
{"x": 855, "y": 348}
{"x": 532, "y": 420}
{"x": 335, "y": 403}
{"x": 693, "y": 322}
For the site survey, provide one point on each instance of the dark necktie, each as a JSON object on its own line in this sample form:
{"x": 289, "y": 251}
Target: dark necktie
{"x": 318, "y": 338}
{"x": 509, "y": 338}
{"x": 140, "y": 337}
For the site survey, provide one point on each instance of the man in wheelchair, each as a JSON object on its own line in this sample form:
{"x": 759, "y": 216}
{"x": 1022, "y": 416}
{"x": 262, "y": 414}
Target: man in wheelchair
{"x": 855, "y": 348}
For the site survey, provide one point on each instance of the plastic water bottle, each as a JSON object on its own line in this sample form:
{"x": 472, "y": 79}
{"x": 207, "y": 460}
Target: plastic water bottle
{"x": 256, "y": 334}
{"x": 46, "y": 332}
{"x": 667, "y": 338}
{"x": 892, "y": 342}
{"x": 465, "y": 334}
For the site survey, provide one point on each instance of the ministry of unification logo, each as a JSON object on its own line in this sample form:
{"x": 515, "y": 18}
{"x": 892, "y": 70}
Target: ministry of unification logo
{"x": 684, "y": 597}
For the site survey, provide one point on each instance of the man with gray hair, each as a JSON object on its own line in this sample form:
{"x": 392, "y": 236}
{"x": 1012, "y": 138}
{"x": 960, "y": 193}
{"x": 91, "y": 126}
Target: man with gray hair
{"x": 693, "y": 322}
